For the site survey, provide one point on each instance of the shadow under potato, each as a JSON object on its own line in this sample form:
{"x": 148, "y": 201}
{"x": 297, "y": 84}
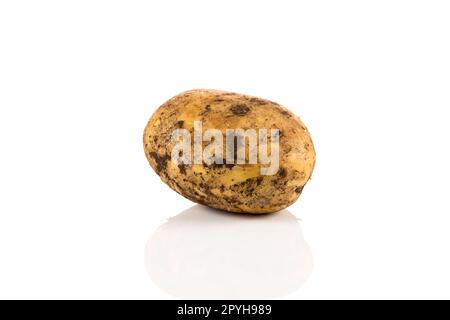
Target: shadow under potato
{"x": 206, "y": 253}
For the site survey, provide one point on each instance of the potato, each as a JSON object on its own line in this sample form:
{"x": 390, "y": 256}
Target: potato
{"x": 218, "y": 169}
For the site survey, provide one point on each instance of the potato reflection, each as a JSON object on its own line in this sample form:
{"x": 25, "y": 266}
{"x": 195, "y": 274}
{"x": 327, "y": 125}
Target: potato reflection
{"x": 205, "y": 253}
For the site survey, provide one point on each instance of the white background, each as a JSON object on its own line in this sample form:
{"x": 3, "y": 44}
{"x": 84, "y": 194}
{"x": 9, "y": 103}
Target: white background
{"x": 79, "y": 202}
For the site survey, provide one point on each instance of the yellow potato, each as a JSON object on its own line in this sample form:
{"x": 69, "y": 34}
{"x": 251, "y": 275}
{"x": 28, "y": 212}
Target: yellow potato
{"x": 230, "y": 185}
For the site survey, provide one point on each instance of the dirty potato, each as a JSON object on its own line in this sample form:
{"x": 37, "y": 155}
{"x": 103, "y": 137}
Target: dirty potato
{"x": 230, "y": 180}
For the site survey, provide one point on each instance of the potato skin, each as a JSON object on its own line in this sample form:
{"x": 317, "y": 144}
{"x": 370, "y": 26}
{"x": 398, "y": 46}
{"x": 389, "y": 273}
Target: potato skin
{"x": 238, "y": 188}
